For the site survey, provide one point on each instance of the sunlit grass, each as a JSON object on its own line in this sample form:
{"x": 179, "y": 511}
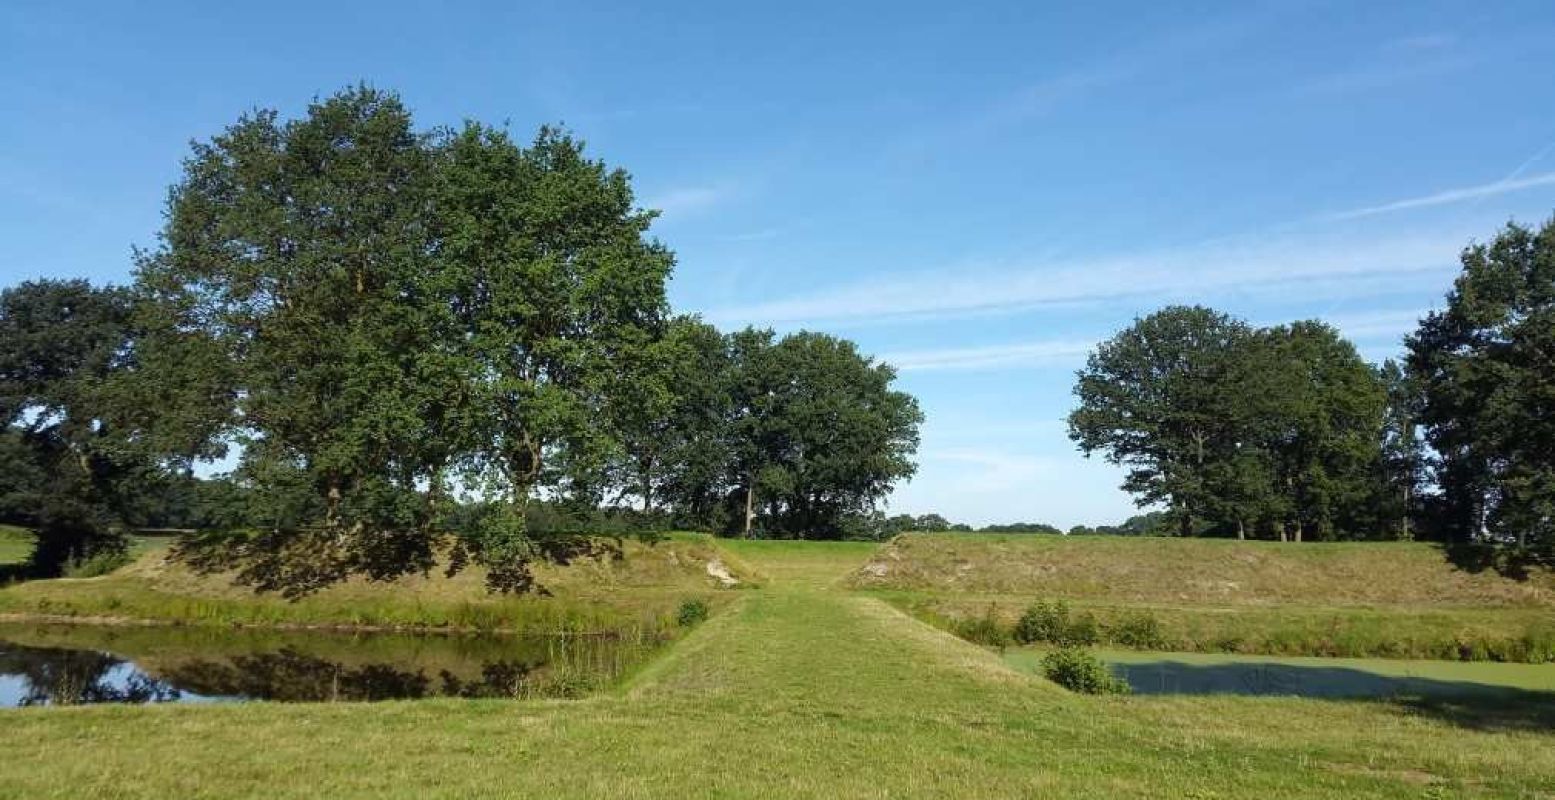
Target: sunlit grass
{"x": 797, "y": 689}
{"x": 642, "y": 590}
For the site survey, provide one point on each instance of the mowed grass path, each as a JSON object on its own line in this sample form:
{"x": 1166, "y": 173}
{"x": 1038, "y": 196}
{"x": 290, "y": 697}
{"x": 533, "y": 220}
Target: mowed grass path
{"x": 798, "y": 689}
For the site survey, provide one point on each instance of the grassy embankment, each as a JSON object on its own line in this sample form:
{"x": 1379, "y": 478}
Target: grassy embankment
{"x": 797, "y": 689}
{"x": 1393, "y": 600}
{"x": 640, "y": 591}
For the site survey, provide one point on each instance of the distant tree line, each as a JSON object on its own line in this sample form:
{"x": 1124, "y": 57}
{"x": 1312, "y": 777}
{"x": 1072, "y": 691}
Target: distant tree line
{"x": 879, "y": 526}
{"x": 1287, "y": 433}
{"x": 401, "y": 334}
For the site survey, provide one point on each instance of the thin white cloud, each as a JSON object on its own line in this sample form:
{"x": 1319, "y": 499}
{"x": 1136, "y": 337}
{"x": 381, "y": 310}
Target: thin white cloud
{"x": 1152, "y": 58}
{"x": 1376, "y": 324}
{"x": 1361, "y": 326}
{"x": 1025, "y": 354}
{"x": 1285, "y": 268}
{"x": 1503, "y": 186}
{"x": 993, "y": 470}
{"x": 761, "y": 235}
{"x": 687, "y": 199}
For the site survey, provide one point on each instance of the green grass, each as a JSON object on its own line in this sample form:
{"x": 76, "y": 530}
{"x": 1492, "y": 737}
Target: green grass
{"x": 641, "y": 591}
{"x": 1390, "y": 600}
{"x": 798, "y": 689}
{"x": 15, "y": 545}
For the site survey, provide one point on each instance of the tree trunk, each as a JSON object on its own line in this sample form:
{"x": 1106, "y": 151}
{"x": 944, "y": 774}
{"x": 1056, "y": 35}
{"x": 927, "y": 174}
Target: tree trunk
{"x": 1403, "y": 521}
{"x": 750, "y": 505}
{"x": 1241, "y": 530}
{"x": 1296, "y": 532}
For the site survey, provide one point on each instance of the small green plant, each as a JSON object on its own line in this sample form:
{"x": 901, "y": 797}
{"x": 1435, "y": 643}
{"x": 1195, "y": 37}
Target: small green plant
{"x": 1052, "y": 622}
{"x": 1042, "y": 622}
{"x": 1140, "y": 631}
{"x": 985, "y": 630}
{"x": 99, "y": 564}
{"x": 1082, "y": 631}
{"x": 1079, "y": 671}
{"x": 692, "y": 611}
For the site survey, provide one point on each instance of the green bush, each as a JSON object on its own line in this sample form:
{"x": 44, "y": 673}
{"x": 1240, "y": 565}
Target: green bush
{"x": 1082, "y": 631}
{"x": 1042, "y": 622}
{"x": 984, "y": 630}
{"x": 692, "y": 611}
{"x": 1079, "y": 671}
{"x": 1052, "y": 622}
{"x": 1139, "y": 631}
{"x": 99, "y": 564}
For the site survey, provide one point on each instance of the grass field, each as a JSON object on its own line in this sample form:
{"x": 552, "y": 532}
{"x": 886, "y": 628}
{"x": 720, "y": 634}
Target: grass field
{"x": 800, "y": 688}
{"x": 1392, "y": 600}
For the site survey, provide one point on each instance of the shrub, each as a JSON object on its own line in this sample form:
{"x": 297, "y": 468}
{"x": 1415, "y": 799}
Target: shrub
{"x": 984, "y": 630}
{"x": 1042, "y": 622}
{"x": 1082, "y": 631}
{"x": 99, "y": 564}
{"x": 1139, "y": 631}
{"x": 1079, "y": 671}
{"x": 1051, "y": 622}
{"x": 692, "y": 611}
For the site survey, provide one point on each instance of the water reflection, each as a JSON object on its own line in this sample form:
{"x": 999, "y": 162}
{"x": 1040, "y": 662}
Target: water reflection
{"x": 68, "y": 665}
{"x": 36, "y": 676}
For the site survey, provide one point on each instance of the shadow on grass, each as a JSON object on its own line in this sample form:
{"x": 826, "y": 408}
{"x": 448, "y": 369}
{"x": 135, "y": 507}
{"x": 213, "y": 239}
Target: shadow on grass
{"x": 1508, "y": 562}
{"x": 1509, "y": 710}
{"x": 1468, "y": 704}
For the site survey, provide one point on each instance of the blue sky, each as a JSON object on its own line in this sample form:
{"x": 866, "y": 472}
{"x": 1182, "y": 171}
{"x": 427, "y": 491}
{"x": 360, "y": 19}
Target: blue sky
{"x": 976, "y": 192}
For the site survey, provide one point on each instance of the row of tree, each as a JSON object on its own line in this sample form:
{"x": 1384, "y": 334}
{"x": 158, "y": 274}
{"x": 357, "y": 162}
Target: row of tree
{"x": 1286, "y": 432}
{"x": 1274, "y": 432}
{"x": 397, "y": 334}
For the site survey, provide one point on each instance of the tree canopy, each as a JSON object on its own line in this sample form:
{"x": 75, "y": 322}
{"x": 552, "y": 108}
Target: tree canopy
{"x": 70, "y": 465}
{"x": 411, "y": 337}
{"x": 1484, "y": 369}
{"x": 1275, "y": 430}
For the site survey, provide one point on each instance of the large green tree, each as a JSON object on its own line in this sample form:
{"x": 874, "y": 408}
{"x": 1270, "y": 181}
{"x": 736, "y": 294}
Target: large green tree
{"x": 70, "y": 470}
{"x": 1275, "y": 431}
{"x": 1158, "y": 398}
{"x": 1318, "y": 419}
{"x": 671, "y": 413}
{"x": 405, "y": 317}
{"x": 1485, "y": 367}
{"x": 558, "y": 299}
{"x": 818, "y": 434}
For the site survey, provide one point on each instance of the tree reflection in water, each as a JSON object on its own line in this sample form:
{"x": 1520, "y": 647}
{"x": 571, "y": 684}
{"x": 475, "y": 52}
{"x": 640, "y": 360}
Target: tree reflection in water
{"x": 291, "y": 676}
{"x": 54, "y": 676}
{"x": 71, "y": 664}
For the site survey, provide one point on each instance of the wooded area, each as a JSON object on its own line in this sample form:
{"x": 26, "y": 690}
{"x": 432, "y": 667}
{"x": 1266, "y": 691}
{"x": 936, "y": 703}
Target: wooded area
{"x": 400, "y": 335}
{"x": 1286, "y": 432}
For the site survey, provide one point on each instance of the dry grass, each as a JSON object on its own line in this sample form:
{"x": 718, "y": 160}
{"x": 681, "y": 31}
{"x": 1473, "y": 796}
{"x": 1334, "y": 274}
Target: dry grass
{"x": 1194, "y": 572}
{"x": 641, "y": 589}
